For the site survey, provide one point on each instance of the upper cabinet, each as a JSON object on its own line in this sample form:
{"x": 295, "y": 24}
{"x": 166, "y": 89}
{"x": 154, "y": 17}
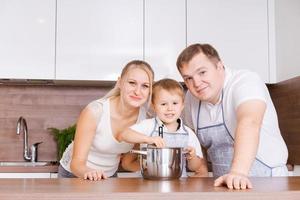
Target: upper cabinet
{"x": 96, "y": 38}
{"x": 27, "y": 39}
{"x": 165, "y": 35}
{"x": 237, "y": 29}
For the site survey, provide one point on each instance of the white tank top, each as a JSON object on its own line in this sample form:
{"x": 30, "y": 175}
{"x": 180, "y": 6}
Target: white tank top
{"x": 105, "y": 150}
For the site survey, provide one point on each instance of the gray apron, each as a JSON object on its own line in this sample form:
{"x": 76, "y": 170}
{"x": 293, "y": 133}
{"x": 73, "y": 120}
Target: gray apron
{"x": 219, "y": 145}
{"x": 179, "y": 138}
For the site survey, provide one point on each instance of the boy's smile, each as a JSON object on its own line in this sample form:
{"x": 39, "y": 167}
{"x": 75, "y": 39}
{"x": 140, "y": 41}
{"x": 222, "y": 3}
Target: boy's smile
{"x": 168, "y": 106}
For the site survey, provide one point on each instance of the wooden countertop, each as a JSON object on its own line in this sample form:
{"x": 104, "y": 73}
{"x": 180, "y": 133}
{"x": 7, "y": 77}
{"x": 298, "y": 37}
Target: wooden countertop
{"x": 285, "y": 188}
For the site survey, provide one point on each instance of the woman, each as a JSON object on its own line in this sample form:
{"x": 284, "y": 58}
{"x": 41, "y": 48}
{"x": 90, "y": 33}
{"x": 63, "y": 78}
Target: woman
{"x": 95, "y": 152}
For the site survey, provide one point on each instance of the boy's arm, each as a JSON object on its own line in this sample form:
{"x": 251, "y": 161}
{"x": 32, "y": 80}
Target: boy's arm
{"x": 130, "y": 161}
{"x": 202, "y": 170}
{"x": 195, "y": 163}
{"x": 132, "y": 136}
{"x": 195, "y": 159}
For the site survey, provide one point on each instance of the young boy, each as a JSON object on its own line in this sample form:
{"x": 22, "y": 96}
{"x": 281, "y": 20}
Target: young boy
{"x": 168, "y": 102}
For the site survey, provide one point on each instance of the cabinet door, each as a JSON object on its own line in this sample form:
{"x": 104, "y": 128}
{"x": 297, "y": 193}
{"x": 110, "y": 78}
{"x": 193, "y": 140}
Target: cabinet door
{"x": 24, "y": 175}
{"x": 165, "y": 35}
{"x": 27, "y": 39}
{"x": 96, "y": 38}
{"x": 237, "y": 29}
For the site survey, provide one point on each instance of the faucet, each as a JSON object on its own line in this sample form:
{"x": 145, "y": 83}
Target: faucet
{"x": 22, "y": 126}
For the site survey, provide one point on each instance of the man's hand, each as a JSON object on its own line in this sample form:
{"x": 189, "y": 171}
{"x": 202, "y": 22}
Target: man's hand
{"x": 234, "y": 181}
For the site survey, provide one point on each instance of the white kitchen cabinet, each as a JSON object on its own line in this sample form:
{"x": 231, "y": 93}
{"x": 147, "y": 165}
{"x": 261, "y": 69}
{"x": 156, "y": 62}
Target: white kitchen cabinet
{"x": 237, "y": 29}
{"x": 96, "y": 38}
{"x": 27, "y": 39}
{"x": 165, "y": 35}
{"x": 53, "y": 175}
{"x": 25, "y": 175}
{"x": 296, "y": 171}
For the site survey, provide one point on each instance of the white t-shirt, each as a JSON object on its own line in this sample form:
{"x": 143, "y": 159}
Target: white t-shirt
{"x": 146, "y": 127}
{"x": 240, "y": 86}
{"x": 105, "y": 150}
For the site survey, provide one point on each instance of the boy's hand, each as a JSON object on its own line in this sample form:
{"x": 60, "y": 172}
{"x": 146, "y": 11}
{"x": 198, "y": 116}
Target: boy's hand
{"x": 190, "y": 153}
{"x": 158, "y": 141}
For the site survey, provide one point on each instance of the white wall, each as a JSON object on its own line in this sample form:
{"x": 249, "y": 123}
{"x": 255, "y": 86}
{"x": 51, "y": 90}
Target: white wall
{"x": 287, "y": 25}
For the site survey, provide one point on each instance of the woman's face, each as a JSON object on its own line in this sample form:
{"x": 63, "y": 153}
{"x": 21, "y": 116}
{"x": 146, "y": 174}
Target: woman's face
{"x": 135, "y": 87}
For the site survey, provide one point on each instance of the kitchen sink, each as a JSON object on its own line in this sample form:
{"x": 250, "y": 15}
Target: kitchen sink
{"x": 24, "y": 163}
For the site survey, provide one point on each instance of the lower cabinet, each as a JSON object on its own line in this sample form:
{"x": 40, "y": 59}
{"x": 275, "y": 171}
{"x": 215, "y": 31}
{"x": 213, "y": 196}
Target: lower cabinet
{"x": 53, "y": 175}
{"x": 28, "y": 175}
{"x": 296, "y": 171}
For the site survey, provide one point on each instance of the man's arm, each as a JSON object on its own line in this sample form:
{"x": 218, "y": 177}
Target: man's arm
{"x": 250, "y": 115}
{"x": 249, "y": 120}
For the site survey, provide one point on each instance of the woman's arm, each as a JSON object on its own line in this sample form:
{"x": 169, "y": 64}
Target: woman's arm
{"x": 85, "y": 132}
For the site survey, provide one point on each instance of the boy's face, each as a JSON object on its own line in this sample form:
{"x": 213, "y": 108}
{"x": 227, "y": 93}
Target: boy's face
{"x": 168, "y": 106}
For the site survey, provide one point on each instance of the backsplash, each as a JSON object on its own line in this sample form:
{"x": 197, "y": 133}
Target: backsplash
{"x": 43, "y": 106}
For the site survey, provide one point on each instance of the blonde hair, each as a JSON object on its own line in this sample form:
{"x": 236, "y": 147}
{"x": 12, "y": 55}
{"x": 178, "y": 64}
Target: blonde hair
{"x": 129, "y": 66}
{"x": 169, "y": 85}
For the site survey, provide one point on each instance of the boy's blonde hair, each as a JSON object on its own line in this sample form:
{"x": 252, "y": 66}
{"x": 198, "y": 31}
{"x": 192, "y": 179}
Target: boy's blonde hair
{"x": 168, "y": 84}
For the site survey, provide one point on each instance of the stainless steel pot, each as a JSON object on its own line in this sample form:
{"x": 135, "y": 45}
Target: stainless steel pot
{"x": 160, "y": 163}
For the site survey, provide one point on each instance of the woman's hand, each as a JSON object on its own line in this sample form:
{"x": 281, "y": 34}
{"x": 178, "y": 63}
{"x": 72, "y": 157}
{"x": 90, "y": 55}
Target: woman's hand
{"x": 94, "y": 175}
{"x": 234, "y": 181}
{"x": 158, "y": 141}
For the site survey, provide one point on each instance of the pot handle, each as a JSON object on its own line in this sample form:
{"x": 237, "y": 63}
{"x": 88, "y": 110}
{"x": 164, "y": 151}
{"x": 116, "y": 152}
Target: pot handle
{"x": 138, "y": 152}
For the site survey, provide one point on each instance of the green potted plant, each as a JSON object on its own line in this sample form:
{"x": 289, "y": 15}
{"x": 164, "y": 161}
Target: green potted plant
{"x": 63, "y": 138}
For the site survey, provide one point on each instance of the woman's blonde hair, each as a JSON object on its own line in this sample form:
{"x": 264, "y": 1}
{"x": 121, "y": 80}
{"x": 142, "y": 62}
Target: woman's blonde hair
{"x": 129, "y": 66}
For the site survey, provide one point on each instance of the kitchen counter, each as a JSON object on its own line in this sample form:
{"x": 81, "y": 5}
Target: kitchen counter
{"x": 35, "y": 169}
{"x": 286, "y": 188}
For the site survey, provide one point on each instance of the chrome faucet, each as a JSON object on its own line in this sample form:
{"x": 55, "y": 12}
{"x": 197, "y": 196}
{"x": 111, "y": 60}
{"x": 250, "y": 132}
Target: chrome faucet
{"x": 29, "y": 155}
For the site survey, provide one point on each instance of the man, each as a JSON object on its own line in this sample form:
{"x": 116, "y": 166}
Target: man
{"x": 234, "y": 118}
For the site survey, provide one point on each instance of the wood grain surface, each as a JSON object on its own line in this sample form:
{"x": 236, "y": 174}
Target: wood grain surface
{"x": 287, "y": 188}
{"x": 286, "y": 99}
{"x": 43, "y": 106}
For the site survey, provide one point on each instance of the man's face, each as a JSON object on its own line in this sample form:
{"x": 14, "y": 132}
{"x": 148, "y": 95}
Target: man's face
{"x": 204, "y": 78}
